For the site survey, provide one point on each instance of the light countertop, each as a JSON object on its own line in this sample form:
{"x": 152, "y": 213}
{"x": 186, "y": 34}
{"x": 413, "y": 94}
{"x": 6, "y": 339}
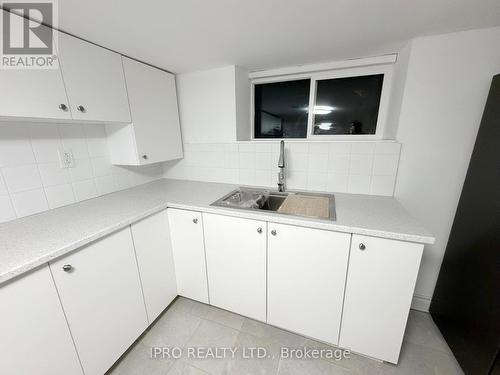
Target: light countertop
{"x": 34, "y": 240}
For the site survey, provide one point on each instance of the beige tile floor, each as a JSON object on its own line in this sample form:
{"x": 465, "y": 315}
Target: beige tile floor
{"x": 187, "y": 323}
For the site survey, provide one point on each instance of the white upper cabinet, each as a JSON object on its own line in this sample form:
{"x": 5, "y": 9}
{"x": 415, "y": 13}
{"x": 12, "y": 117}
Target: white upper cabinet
{"x": 154, "y": 135}
{"x": 380, "y": 283}
{"x": 35, "y": 338}
{"x": 94, "y": 81}
{"x": 101, "y": 295}
{"x": 236, "y": 264}
{"x": 306, "y": 278}
{"x": 33, "y": 93}
{"x": 153, "y": 250}
{"x": 186, "y": 230}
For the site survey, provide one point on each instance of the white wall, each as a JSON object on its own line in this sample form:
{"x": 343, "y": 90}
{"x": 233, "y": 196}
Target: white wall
{"x": 400, "y": 70}
{"x": 210, "y": 104}
{"x": 445, "y": 92}
{"x": 242, "y": 96}
{"x": 32, "y": 181}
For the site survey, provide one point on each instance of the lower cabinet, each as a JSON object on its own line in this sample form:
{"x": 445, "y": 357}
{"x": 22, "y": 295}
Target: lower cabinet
{"x": 306, "y": 278}
{"x": 236, "y": 264}
{"x": 380, "y": 283}
{"x": 34, "y": 336}
{"x": 80, "y": 313}
{"x": 156, "y": 264}
{"x": 100, "y": 291}
{"x": 186, "y": 231}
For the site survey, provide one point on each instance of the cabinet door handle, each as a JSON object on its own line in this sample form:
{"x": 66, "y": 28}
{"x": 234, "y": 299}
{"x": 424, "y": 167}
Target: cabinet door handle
{"x": 259, "y": 230}
{"x": 195, "y": 220}
{"x": 63, "y": 107}
{"x": 145, "y": 157}
{"x": 67, "y": 268}
{"x": 81, "y": 108}
{"x": 273, "y": 232}
{"x": 362, "y": 246}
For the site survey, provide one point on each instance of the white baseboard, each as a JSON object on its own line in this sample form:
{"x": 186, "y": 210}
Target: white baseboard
{"x": 420, "y": 303}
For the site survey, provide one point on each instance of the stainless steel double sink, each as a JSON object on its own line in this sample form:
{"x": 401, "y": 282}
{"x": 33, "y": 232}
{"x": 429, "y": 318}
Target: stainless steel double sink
{"x": 268, "y": 200}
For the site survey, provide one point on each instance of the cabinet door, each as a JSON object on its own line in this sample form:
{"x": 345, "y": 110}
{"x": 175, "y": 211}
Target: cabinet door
{"x": 156, "y": 264}
{"x": 380, "y": 283}
{"x": 186, "y": 231}
{"x": 101, "y": 296}
{"x": 155, "y": 116}
{"x": 32, "y": 93}
{"x": 94, "y": 81}
{"x": 306, "y": 277}
{"x": 35, "y": 338}
{"x": 236, "y": 264}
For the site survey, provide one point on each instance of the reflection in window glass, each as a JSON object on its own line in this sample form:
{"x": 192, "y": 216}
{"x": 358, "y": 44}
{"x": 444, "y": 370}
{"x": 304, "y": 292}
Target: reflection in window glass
{"x": 347, "y": 105}
{"x": 281, "y": 109}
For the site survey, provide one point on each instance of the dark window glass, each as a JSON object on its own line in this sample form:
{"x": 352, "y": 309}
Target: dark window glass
{"x": 347, "y": 105}
{"x": 281, "y": 109}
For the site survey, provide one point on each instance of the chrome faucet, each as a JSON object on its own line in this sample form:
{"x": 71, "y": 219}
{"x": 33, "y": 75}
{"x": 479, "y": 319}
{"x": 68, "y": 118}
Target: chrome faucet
{"x": 281, "y": 166}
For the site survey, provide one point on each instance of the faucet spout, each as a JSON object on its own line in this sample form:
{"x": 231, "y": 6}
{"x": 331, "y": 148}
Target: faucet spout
{"x": 281, "y": 161}
{"x": 281, "y": 166}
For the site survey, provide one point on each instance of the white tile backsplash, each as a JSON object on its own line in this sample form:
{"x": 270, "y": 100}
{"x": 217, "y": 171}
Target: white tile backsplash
{"x": 385, "y": 164}
{"x": 85, "y": 189}
{"x": 3, "y": 187}
{"x": 363, "y": 147}
{"x": 359, "y": 184}
{"x": 317, "y": 162}
{"x": 22, "y": 178}
{"x": 52, "y": 174}
{"x": 361, "y": 164}
{"x": 15, "y": 145}
{"x": 263, "y": 161}
{"x": 82, "y": 170}
{"x": 6, "y": 209}
{"x": 356, "y": 167}
{"x": 45, "y": 142}
{"x": 383, "y": 185}
{"x": 60, "y": 195}
{"x": 29, "y": 202}
{"x": 339, "y": 163}
{"x": 73, "y": 138}
{"x": 31, "y": 179}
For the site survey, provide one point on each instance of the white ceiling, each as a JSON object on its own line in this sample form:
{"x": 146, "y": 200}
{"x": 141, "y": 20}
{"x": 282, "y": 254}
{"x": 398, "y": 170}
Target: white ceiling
{"x": 187, "y": 35}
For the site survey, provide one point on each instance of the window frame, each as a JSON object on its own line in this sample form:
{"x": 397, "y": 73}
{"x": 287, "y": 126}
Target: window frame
{"x": 386, "y": 70}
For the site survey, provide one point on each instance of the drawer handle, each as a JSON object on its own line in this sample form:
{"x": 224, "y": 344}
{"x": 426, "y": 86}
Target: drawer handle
{"x": 67, "y": 268}
{"x": 362, "y": 246}
{"x": 273, "y": 232}
{"x": 195, "y": 220}
{"x": 145, "y": 157}
{"x": 259, "y": 230}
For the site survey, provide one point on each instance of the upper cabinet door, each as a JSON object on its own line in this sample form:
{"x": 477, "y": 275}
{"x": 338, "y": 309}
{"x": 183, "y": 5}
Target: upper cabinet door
{"x": 32, "y": 93}
{"x": 94, "y": 81}
{"x": 155, "y": 115}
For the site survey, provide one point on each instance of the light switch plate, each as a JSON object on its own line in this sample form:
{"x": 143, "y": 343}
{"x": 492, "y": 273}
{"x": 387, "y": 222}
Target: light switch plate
{"x": 66, "y": 159}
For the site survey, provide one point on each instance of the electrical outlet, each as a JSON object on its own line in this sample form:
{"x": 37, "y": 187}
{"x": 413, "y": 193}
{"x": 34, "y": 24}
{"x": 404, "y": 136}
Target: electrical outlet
{"x": 66, "y": 159}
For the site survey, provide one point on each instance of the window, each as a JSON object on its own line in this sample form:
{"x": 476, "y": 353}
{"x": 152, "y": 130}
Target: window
{"x": 344, "y": 104}
{"x": 280, "y": 109}
{"x": 347, "y": 105}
